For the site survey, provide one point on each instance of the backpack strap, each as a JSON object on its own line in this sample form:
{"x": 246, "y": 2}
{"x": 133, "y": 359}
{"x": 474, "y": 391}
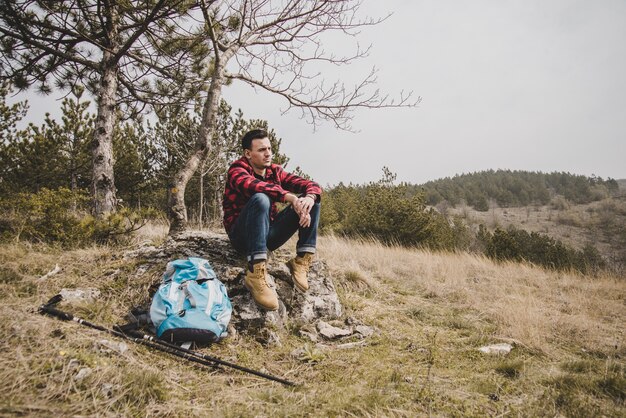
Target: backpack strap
{"x": 184, "y": 293}
{"x": 180, "y": 301}
{"x": 188, "y": 295}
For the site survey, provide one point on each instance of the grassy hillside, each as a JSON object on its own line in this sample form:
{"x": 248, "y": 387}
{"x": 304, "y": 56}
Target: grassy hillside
{"x": 432, "y": 312}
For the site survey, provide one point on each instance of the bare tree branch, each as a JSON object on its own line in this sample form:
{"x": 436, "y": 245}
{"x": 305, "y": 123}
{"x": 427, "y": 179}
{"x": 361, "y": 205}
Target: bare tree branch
{"x": 277, "y": 45}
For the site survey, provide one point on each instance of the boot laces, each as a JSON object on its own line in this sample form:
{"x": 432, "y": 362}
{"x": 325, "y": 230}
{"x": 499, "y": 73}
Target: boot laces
{"x": 261, "y": 276}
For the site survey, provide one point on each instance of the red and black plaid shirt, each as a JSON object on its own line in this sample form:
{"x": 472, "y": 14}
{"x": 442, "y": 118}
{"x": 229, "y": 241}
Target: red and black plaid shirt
{"x": 241, "y": 184}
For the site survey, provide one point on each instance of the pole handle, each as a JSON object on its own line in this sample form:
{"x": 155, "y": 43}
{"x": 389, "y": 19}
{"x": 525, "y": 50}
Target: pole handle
{"x": 49, "y": 310}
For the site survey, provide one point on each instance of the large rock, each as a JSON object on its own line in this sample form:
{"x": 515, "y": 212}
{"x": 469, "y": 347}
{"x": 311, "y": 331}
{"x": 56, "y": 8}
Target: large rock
{"x": 319, "y": 302}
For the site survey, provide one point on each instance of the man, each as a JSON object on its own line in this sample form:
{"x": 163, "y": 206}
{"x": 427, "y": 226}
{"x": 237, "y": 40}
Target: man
{"x": 253, "y": 223}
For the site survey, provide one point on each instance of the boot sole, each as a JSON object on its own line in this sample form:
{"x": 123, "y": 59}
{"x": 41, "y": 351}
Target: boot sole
{"x": 265, "y": 308}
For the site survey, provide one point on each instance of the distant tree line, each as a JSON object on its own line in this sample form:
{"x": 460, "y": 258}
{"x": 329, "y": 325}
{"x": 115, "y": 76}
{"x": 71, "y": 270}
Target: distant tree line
{"x": 515, "y": 188}
{"x": 397, "y": 214}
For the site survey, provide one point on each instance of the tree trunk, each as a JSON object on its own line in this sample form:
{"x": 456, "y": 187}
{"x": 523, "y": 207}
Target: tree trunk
{"x": 201, "y": 203}
{"x": 74, "y": 167}
{"x": 103, "y": 186}
{"x": 102, "y": 181}
{"x": 176, "y": 194}
{"x": 73, "y": 186}
{"x": 217, "y": 203}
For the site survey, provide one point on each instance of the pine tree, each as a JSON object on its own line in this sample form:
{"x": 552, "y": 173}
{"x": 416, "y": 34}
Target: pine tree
{"x": 103, "y": 45}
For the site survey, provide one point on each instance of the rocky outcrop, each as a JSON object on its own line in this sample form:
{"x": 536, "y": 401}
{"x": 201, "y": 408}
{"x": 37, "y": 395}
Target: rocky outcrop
{"x": 319, "y": 302}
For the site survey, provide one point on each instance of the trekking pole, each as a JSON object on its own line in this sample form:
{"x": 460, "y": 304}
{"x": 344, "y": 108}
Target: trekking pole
{"x": 145, "y": 337}
{"x": 154, "y": 343}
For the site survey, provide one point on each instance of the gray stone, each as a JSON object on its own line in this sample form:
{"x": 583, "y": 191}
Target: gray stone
{"x": 250, "y": 316}
{"x": 107, "y": 347}
{"x": 142, "y": 269}
{"x": 364, "y": 330}
{"x": 83, "y": 374}
{"x": 107, "y": 389}
{"x": 230, "y": 274}
{"x": 353, "y": 321}
{"x": 312, "y": 336}
{"x": 320, "y": 301}
{"x": 232, "y": 333}
{"x": 298, "y": 353}
{"x": 88, "y": 294}
{"x": 73, "y": 364}
{"x": 496, "y": 349}
{"x": 355, "y": 344}
{"x": 268, "y": 338}
{"x": 330, "y": 332}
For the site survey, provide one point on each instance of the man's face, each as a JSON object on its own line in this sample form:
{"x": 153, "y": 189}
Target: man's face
{"x": 260, "y": 154}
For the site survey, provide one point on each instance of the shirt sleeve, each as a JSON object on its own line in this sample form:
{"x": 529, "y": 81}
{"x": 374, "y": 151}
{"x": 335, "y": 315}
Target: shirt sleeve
{"x": 246, "y": 184}
{"x": 298, "y": 184}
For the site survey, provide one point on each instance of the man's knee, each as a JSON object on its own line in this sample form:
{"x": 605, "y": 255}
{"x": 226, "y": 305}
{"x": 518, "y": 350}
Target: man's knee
{"x": 316, "y": 207}
{"x": 261, "y": 201}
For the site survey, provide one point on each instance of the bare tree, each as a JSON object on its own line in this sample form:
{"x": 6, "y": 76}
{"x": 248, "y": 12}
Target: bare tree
{"x": 103, "y": 44}
{"x": 275, "y": 45}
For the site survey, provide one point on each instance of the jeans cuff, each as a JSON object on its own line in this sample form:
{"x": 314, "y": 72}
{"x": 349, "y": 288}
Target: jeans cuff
{"x": 305, "y": 250}
{"x": 257, "y": 256}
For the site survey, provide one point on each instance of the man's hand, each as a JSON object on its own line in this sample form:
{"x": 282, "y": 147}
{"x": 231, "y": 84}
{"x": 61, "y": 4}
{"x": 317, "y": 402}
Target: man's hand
{"x": 302, "y": 206}
{"x": 305, "y": 203}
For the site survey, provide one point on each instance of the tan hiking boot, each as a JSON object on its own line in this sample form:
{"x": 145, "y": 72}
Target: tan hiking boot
{"x": 299, "y": 268}
{"x": 256, "y": 283}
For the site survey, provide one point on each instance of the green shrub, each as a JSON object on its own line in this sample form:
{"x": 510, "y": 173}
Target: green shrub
{"x": 47, "y": 216}
{"x": 59, "y": 217}
{"x": 117, "y": 227}
{"x": 519, "y": 245}
{"x": 391, "y": 214}
{"x": 559, "y": 203}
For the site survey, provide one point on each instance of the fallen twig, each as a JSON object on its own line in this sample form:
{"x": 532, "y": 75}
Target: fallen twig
{"x": 51, "y": 273}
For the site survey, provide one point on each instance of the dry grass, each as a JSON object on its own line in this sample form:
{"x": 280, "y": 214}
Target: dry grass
{"x": 432, "y": 312}
{"x": 539, "y": 309}
{"x": 154, "y": 232}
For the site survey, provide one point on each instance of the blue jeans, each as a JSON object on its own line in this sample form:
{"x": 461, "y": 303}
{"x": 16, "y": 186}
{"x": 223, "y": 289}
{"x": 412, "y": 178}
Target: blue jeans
{"x": 253, "y": 233}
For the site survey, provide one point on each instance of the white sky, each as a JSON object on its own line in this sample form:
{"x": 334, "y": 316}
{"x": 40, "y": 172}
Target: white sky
{"x": 510, "y": 84}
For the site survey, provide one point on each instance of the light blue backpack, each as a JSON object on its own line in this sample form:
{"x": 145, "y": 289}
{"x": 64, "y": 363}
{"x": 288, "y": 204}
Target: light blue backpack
{"x": 191, "y": 304}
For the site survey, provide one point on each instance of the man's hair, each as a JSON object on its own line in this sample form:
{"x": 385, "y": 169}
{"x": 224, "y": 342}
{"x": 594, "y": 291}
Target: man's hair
{"x": 246, "y": 141}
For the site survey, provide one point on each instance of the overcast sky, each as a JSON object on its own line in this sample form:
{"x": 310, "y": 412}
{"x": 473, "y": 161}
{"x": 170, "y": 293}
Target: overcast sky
{"x": 506, "y": 84}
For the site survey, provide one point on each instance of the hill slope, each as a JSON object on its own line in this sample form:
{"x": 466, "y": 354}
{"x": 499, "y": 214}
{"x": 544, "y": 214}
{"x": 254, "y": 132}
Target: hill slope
{"x": 601, "y": 224}
{"x": 517, "y": 188}
{"x": 432, "y": 312}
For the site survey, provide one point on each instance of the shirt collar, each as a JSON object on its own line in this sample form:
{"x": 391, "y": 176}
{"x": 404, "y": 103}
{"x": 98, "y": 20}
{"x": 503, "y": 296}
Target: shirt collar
{"x": 269, "y": 172}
